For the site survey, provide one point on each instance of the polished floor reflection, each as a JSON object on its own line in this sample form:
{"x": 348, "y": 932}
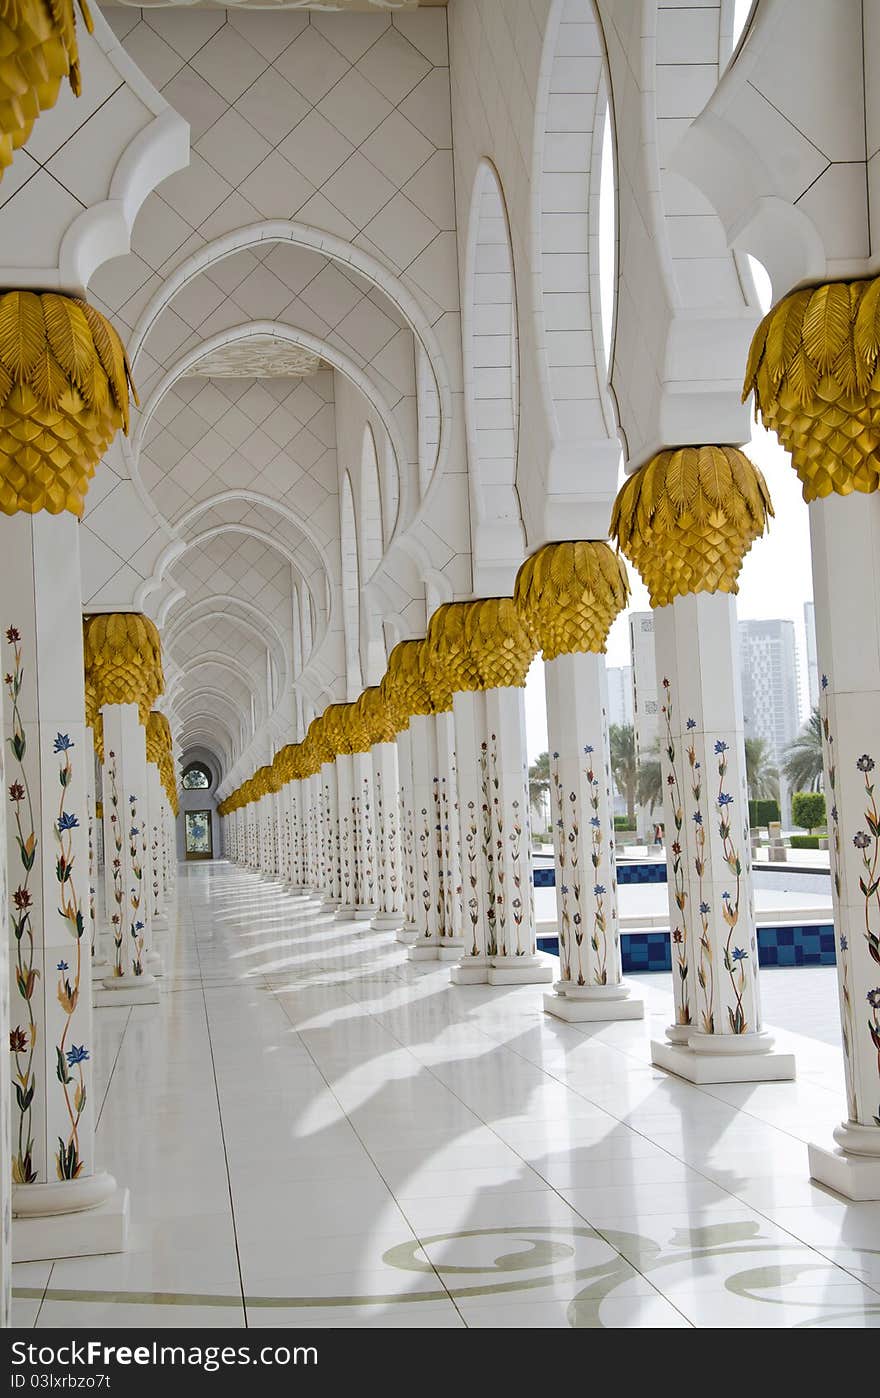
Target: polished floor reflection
{"x": 316, "y": 1132}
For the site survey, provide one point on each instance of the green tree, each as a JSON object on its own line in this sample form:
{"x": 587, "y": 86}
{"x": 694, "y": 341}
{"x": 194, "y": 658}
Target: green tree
{"x": 539, "y": 784}
{"x": 802, "y": 762}
{"x": 808, "y": 809}
{"x": 624, "y": 768}
{"x": 650, "y": 782}
{"x": 762, "y": 778}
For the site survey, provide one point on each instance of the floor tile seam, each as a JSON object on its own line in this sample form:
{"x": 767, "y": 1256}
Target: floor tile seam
{"x": 550, "y": 1188}
{"x": 223, "y": 1141}
{"x": 369, "y": 1153}
{"x": 697, "y": 1170}
{"x": 106, "y": 1093}
{"x": 549, "y": 1074}
{"x": 554, "y": 1078}
{"x": 623, "y": 1122}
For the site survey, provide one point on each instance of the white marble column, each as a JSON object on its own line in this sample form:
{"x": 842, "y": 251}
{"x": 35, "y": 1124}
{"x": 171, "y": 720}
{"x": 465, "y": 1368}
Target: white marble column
{"x": 365, "y": 835}
{"x": 427, "y": 838}
{"x": 333, "y": 887}
{"x": 348, "y": 854}
{"x": 591, "y": 984}
{"x": 504, "y": 753}
{"x": 718, "y": 1035}
{"x": 47, "y": 887}
{"x": 845, "y": 534}
{"x": 476, "y": 840}
{"x": 155, "y": 796}
{"x": 99, "y": 960}
{"x": 451, "y": 926}
{"x": 298, "y": 883}
{"x": 131, "y": 980}
{"x": 6, "y": 1092}
{"x": 409, "y": 932}
{"x": 282, "y": 826}
{"x": 389, "y": 878}
{"x": 311, "y": 790}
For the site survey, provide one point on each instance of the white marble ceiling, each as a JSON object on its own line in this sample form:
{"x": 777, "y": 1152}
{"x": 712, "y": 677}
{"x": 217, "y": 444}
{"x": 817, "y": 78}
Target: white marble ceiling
{"x": 311, "y": 233}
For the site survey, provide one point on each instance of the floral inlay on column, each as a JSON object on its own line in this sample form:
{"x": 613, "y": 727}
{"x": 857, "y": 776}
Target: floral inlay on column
{"x": 23, "y": 1038}
{"x": 681, "y": 931}
{"x": 440, "y": 903}
{"x": 847, "y": 1025}
{"x": 868, "y": 846}
{"x": 136, "y": 925}
{"x": 93, "y": 924}
{"x": 367, "y": 826}
{"x": 598, "y": 937}
{"x": 565, "y": 838}
{"x": 706, "y": 967}
{"x": 424, "y": 848}
{"x": 68, "y": 1162}
{"x": 735, "y": 957}
{"x": 488, "y": 851}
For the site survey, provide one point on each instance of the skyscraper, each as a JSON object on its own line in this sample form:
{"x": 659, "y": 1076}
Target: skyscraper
{"x": 770, "y": 683}
{"x": 620, "y": 695}
{"x": 812, "y": 654}
{"x": 645, "y": 706}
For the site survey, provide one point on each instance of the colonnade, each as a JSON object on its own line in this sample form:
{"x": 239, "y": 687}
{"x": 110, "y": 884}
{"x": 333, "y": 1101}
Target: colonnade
{"x": 67, "y": 693}
{"x": 454, "y": 863}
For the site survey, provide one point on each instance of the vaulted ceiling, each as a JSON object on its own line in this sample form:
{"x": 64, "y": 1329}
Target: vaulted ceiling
{"x": 316, "y": 211}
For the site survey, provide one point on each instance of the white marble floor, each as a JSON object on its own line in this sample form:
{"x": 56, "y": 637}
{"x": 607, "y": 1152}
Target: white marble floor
{"x": 316, "y": 1132}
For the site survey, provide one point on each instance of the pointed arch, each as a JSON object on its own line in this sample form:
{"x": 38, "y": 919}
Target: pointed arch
{"x": 348, "y": 544}
{"x": 491, "y": 370}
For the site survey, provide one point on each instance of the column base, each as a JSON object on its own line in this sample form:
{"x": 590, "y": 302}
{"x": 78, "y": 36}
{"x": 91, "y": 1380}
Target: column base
{"x": 154, "y": 961}
{"x": 345, "y": 913}
{"x": 160, "y": 923}
{"x": 580, "y": 1003}
{"x": 126, "y": 990}
{"x": 329, "y": 903}
{"x": 519, "y": 970}
{"x": 423, "y": 950}
{"x": 450, "y": 949}
{"x": 716, "y": 1058}
{"x": 86, "y": 1232}
{"x": 408, "y": 935}
{"x": 853, "y": 1168}
{"x": 363, "y": 911}
{"x": 387, "y": 922}
{"x": 471, "y": 970}
{"x": 679, "y": 1033}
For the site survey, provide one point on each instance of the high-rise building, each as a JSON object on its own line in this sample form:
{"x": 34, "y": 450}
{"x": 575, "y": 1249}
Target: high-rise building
{"x": 770, "y": 683}
{"x": 645, "y": 705}
{"x": 620, "y": 695}
{"x": 812, "y": 654}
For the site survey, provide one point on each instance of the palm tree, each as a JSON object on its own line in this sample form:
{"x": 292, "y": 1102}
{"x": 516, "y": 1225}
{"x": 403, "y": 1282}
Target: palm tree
{"x": 650, "y": 784}
{"x": 539, "y": 784}
{"x": 624, "y": 768}
{"x": 762, "y": 778}
{"x": 802, "y": 763}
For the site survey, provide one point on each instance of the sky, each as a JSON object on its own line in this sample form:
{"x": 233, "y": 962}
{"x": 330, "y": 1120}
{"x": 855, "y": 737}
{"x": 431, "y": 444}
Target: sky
{"x": 775, "y": 580}
{"x": 776, "y": 576}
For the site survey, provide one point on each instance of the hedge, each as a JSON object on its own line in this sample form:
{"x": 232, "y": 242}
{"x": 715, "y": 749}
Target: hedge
{"x": 805, "y": 841}
{"x": 621, "y": 823}
{"x": 763, "y": 812}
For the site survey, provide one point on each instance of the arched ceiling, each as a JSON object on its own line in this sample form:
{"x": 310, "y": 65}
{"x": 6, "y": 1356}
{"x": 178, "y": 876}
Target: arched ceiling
{"x": 337, "y": 133}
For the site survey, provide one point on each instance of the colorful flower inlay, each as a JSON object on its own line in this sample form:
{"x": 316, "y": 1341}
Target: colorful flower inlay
{"x": 23, "y": 1038}
{"x": 135, "y": 897}
{"x": 680, "y": 930}
{"x": 706, "y": 967}
{"x": 68, "y": 1161}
